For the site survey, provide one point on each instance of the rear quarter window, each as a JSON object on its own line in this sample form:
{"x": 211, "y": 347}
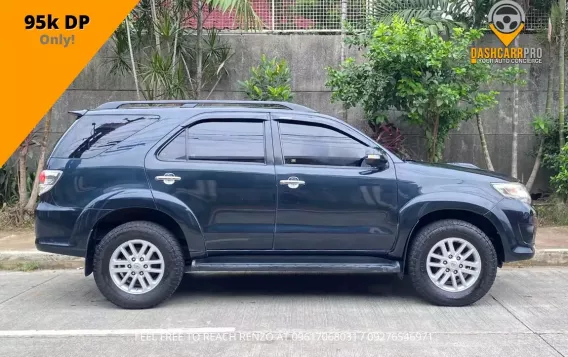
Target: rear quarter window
{"x": 90, "y": 135}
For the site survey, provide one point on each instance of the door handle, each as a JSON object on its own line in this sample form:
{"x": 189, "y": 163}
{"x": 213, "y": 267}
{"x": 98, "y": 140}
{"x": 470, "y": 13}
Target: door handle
{"x": 292, "y": 182}
{"x": 168, "y": 178}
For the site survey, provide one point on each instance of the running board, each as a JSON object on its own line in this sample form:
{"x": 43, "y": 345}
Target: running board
{"x": 303, "y": 264}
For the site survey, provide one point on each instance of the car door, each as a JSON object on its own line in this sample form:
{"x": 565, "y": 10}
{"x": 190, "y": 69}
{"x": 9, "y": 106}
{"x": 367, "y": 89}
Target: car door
{"x": 221, "y": 167}
{"x": 326, "y": 200}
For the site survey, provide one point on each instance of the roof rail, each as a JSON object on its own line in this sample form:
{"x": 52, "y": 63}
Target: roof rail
{"x": 196, "y": 103}
{"x": 117, "y": 105}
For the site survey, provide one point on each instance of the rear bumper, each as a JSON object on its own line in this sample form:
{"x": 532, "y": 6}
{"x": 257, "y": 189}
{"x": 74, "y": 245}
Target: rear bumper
{"x": 55, "y": 230}
{"x": 516, "y": 224}
{"x": 59, "y": 249}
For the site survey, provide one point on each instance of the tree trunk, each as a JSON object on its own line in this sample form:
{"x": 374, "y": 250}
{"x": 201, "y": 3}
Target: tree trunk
{"x": 514, "y": 144}
{"x": 562, "y": 5}
{"x": 536, "y": 166}
{"x": 30, "y": 206}
{"x": 550, "y": 84}
{"x": 155, "y": 20}
{"x": 132, "y": 62}
{"x": 434, "y": 146}
{"x": 199, "y": 51}
{"x": 484, "y": 143}
{"x": 23, "y": 177}
{"x": 547, "y": 112}
{"x": 342, "y": 53}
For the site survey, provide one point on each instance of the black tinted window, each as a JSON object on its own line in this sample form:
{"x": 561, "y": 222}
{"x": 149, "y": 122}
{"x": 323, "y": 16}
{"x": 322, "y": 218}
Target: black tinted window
{"x": 175, "y": 149}
{"x": 226, "y": 141}
{"x": 93, "y": 134}
{"x": 317, "y": 145}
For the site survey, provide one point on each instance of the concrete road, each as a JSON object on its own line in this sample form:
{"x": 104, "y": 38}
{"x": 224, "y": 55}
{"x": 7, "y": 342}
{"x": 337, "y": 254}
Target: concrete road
{"x": 61, "y": 313}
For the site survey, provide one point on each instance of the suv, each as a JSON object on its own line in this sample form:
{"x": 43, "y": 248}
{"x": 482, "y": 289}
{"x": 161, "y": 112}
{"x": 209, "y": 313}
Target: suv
{"x": 146, "y": 191}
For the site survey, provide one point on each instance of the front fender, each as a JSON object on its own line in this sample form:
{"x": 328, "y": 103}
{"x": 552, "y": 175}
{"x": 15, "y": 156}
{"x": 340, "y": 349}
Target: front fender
{"x": 418, "y": 207}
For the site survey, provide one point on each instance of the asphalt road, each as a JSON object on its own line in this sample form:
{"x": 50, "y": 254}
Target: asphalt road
{"x": 61, "y": 313}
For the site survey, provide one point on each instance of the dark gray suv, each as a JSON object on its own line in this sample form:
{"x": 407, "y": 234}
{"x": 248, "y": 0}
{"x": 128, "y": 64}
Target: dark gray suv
{"x": 146, "y": 191}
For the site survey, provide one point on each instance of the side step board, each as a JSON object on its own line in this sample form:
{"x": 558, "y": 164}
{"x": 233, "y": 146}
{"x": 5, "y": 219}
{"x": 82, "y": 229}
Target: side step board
{"x": 303, "y": 264}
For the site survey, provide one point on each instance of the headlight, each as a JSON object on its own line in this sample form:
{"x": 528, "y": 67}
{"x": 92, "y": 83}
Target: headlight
{"x": 514, "y": 190}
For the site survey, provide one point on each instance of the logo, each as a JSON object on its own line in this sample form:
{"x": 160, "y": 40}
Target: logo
{"x": 506, "y": 20}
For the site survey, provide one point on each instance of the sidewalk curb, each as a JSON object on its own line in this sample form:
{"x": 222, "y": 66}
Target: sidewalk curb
{"x": 10, "y": 260}
{"x": 545, "y": 257}
{"x": 15, "y": 259}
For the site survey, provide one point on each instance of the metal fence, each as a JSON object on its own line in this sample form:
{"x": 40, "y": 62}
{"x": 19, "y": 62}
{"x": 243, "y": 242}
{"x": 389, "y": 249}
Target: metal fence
{"x": 297, "y": 15}
{"x": 325, "y": 16}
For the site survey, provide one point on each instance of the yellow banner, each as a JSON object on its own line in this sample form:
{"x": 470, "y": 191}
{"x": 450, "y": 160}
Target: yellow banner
{"x": 44, "y": 46}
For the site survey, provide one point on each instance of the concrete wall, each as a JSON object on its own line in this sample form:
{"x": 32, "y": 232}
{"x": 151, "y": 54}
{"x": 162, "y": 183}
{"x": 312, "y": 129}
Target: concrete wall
{"x": 308, "y": 56}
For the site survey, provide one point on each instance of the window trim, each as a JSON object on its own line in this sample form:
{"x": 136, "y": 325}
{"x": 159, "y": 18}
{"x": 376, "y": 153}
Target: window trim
{"x": 168, "y": 142}
{"x": 317, "y": 124}
{"x": 186, "y": 128}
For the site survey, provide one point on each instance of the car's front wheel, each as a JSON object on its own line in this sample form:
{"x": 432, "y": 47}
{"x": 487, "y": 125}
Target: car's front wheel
{"x": 452, "y": 263}
{"x": 138, "y": 265}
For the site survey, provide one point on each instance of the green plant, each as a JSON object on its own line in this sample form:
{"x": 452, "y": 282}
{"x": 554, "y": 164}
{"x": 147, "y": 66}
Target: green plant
{"x": 559, "y": 182}
{"x": 8, "y": 185}
{"x": 550, "y": 147}
{"x": 168, "y": 59}
{"x": 270, "y": 80}
{"x": 427, "y": 78}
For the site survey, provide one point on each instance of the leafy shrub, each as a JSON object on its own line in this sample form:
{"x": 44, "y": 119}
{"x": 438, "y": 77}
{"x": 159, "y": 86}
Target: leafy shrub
{"x": 560, "y": 181}
{"x": 8, "y": 185}
{"x": 269, "y": 81}
{"x": 428, "y": 79}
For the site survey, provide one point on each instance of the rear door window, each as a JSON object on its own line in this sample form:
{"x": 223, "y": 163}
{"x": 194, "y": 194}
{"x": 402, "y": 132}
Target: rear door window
{"x": 219, "y": 140}
{"x": 92, "y": 134}
{"x": 235, "y": 141}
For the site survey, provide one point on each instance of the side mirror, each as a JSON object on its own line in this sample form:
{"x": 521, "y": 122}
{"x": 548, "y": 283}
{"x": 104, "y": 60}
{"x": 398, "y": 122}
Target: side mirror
{"x": 376, "y": 160}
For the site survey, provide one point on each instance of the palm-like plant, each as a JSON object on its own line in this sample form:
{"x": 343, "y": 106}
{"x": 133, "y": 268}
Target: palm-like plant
{"x": 167, "y": 58}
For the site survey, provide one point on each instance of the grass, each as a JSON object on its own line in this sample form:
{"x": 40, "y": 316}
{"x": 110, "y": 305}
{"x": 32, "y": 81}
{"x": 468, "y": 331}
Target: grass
{"x": 25, "y": 266}
{"x": 552, "y": 212}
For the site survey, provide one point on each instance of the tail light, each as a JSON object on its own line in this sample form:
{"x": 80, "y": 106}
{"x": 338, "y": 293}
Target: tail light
{"x": 48, "y": 179}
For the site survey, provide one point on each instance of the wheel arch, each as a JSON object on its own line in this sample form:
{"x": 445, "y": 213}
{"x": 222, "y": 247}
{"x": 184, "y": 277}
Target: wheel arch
{"x": 117, "y": 217}
{"x": 474, "y": 218}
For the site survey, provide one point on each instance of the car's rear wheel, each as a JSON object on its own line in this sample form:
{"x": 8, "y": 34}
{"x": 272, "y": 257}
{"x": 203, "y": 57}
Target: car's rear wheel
{"x": 452, "y": 263}
{"x": 138, "y": 265}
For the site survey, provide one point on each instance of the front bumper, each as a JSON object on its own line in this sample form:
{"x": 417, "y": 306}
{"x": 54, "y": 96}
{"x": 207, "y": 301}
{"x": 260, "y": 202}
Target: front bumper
{"x": 516, "y": 224}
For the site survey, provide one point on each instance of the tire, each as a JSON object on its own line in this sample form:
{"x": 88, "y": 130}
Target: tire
{"x": 436, "y": 233}
{"x": 171, "y": 269}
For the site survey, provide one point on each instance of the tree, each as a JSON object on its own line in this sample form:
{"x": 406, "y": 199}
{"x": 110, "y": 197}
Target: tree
{"x": 173, "y": 59}
{"x": 442, "y": 16}
{"x": 28, "y": 190}
{"x": 544, "y": 125}
{"x": 430, "y": 80}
